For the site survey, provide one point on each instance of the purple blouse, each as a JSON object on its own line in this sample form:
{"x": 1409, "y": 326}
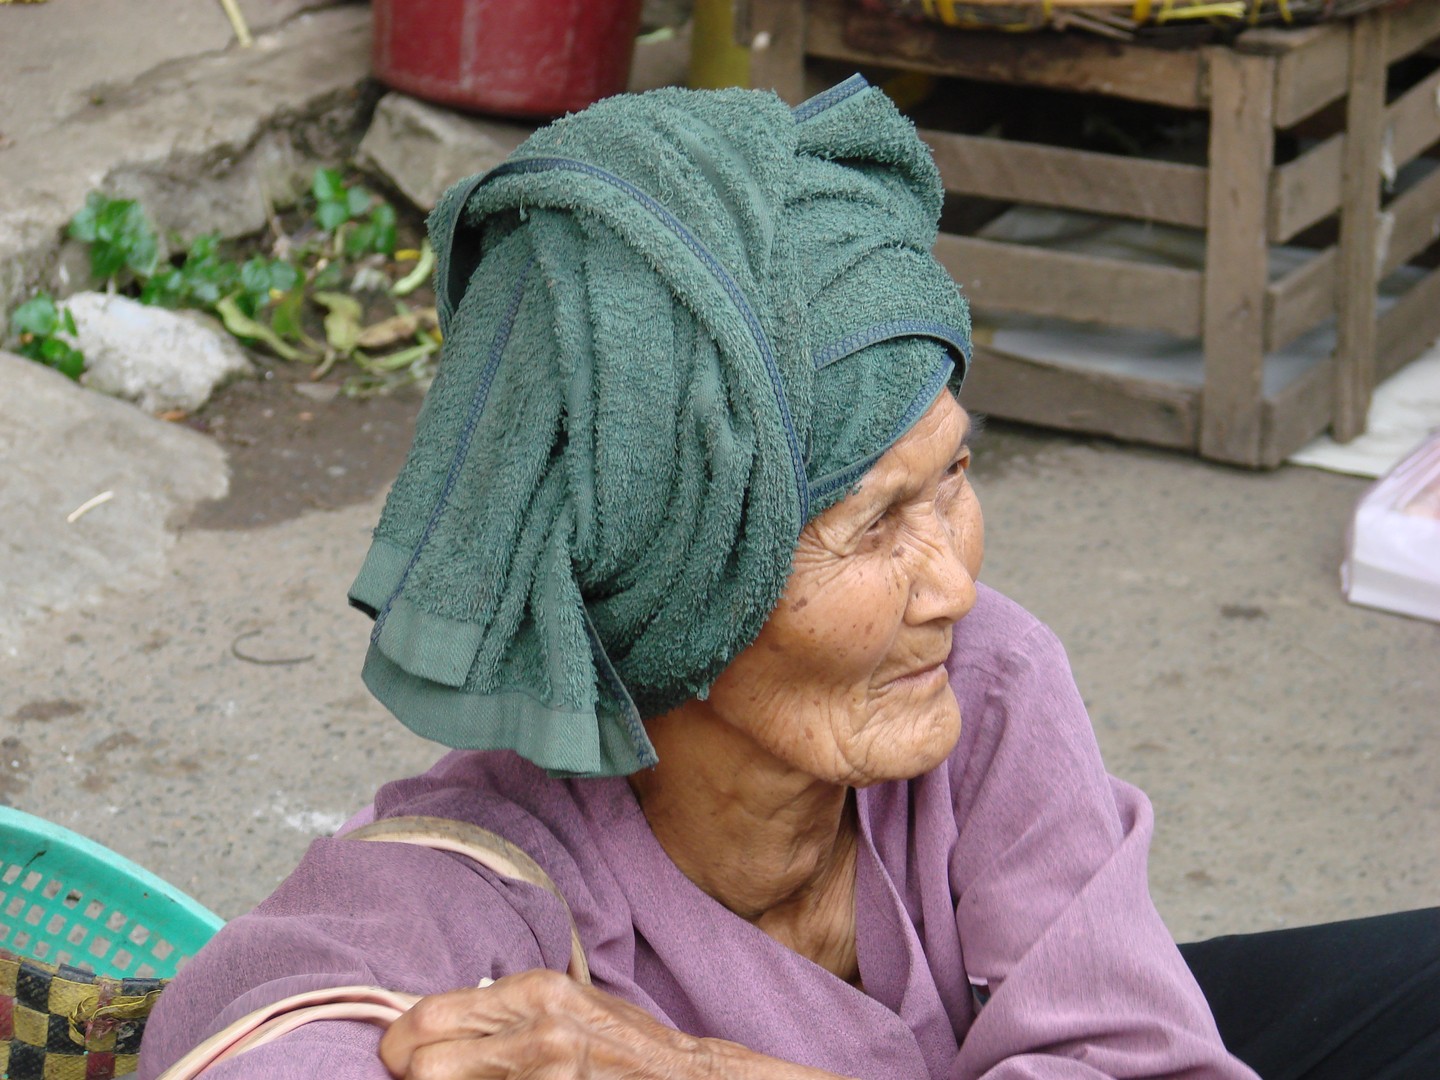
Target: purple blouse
{"x": 1004, "y": 922}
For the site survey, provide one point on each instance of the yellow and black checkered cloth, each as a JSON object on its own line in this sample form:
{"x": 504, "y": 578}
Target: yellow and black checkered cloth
{"x": 58, "y": 1022}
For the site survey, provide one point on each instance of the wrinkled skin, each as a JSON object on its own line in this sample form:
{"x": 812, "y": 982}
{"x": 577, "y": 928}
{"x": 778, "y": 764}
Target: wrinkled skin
{"x": 830, "y": 686}
{"x": 752, "y": 798}
{"x": 540, "y": 1025}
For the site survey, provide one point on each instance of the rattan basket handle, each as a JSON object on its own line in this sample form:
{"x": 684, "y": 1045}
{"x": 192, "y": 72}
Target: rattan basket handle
{"x": 372, "y": 1003}
{"x": 489, "y": 850}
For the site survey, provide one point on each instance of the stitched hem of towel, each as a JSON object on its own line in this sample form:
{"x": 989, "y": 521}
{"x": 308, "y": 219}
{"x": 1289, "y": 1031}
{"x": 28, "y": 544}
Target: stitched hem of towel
{"x": 562, "y": 742}
{"x": 427, "y": 645}
{"x": 828, "y": 490}
{"x": 826, "y": 98}
{"x": 378, "y": 576}
{"x": 863, "y": 338}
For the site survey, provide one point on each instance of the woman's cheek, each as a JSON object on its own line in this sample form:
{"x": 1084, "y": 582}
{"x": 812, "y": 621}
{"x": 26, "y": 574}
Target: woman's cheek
{"x": 855, "y": 620}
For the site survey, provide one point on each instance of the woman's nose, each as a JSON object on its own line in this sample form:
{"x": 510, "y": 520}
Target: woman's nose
{"x": 942, "y": 588}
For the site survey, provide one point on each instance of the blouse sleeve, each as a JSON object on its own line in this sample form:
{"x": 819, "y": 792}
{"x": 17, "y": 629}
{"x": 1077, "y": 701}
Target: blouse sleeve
{"x": 1061, "y": 941}
{"x": 391, "y": 915}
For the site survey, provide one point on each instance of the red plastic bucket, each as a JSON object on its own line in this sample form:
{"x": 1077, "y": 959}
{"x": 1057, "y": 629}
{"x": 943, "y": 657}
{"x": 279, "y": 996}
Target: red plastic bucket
{"x": 534, "y": 58}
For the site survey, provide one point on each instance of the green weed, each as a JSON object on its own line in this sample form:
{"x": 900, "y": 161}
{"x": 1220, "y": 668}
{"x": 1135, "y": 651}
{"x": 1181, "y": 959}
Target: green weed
{"x": 121, "y": 238}
{"x": 38, "y": 324}
{"x": 265, "y": 302}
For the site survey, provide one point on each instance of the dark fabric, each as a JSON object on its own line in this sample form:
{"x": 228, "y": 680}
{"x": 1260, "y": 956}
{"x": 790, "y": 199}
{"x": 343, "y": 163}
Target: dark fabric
{"x": 1353, "y": 1000}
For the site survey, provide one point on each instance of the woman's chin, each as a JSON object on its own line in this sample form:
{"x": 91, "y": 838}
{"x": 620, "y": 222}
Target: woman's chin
{"x": 926, "y": 738}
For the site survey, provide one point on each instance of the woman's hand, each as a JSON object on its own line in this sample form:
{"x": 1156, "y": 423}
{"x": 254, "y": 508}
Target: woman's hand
{"x": 540, "y": 1024}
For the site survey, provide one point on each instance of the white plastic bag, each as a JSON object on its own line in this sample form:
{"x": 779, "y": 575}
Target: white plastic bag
{"x": 1392, "y": 557}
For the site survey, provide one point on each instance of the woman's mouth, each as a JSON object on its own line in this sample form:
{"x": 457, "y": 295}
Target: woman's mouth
{"x": 920, "y": 679}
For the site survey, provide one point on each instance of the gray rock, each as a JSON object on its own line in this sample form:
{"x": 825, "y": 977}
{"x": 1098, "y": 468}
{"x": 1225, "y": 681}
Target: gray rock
{"x": 157, "y": 358}
{"x": 63, "y": 447}
{"x": 422, "y": 149}
{"x": 110, "y": 44}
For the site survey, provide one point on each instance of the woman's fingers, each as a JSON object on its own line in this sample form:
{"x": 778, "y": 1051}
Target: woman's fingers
{"x": 549, "y": 1047}
{"x": 534, "y": 1020}
{"x": 443, "y": 1018}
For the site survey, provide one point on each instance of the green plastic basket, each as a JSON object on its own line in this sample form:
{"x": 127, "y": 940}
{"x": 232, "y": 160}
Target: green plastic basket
{"x": 67, "y": 900}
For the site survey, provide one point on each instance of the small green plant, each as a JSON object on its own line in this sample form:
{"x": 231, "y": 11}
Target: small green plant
{"x": 38, "y": 324}
{"x": 361, "y": 221}
{"x": 204, "y": 278}
{"x": 120, "y": 237}
{"x": 265, "y": 301}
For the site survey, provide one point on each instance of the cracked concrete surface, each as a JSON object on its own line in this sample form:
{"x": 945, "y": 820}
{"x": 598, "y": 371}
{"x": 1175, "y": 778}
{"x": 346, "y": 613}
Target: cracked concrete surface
{"x": 204, "y": 140}
{"x": 45, "y": 87}
{"x": 139, "y": 476}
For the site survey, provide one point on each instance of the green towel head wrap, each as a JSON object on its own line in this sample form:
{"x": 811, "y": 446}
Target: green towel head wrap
{"x": 677, "y": 326}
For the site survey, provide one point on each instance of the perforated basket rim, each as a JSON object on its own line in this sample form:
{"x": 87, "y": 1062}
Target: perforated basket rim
{"x": 123, "y": 884}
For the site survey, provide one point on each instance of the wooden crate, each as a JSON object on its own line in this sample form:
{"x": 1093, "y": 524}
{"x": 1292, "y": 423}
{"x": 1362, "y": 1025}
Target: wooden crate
{"x": 1262, "y": 85}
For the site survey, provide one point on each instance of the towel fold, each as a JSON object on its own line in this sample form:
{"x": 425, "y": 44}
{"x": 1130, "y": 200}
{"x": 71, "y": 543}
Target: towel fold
{"x": 677, "y": 326}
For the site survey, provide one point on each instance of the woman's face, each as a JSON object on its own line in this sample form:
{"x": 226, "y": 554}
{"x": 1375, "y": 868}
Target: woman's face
{"x": 846, "y": 680}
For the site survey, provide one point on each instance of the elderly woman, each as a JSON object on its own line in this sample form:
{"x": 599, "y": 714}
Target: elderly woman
{"x": 683, "y": 561}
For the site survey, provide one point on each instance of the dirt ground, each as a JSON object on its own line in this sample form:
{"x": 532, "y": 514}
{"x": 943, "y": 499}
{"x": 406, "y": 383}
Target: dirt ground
{"x": 297, "y": 445}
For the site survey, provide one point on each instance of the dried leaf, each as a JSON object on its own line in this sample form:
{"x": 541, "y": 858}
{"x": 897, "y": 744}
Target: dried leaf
{"x": 242, "y": 326}
{"x": 419, "y": 275}
{"x": 387, "y": 332}
{"x": 342, "y": 320}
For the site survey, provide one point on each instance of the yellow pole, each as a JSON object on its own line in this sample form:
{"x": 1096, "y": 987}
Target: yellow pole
{"x": 715, "y": 60}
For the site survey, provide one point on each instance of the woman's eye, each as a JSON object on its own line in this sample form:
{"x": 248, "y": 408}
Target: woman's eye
{"x": 881, "y": 523}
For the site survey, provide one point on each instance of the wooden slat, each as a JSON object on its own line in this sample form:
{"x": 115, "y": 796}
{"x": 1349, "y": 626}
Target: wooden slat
{"x": 1241, "y": 153}
{"x": 1414, "y": 120}
{"x": 1074, "y": 179}
{"x": 1005, "y": 277}
{"x": 777, "y": 30}
{"x": 1279, "y": 40}
{"x": 1304, "y": 408}
{"x": 1359, "y": 227}
{"x": 1305, "y": 190}
{"x": 1309, "y": 78}
{"x": 1312, "y": 75}
{"x": 1408, "y": 328}
{"x": 1035, "y": 392}
{"x": 1301, "y": 300}
{"x": 1412, "y": 27}
{"x": 842, "y": 31}
{"x": 1297, "y": 413}
{"x": 1413, "y": 223}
